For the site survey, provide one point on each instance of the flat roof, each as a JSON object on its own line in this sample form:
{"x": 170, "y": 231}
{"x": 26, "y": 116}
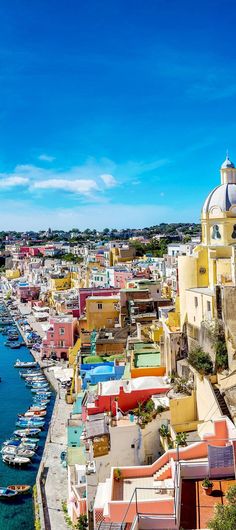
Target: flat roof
{"x": 202, "y": 290}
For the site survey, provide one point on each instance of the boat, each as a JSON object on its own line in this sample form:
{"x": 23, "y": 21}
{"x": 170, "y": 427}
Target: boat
{"x": 16, "y": 460}
{"x": 20, "y": 488}
{"x": 14, "y": 345}
{"x": 7, "y": 494}
{"x": 35, "y": 413}
{"x": 30, "y": 422}
{"x": 33, "y": 432}
{"x": 41, "y": 392}
{"x": 37, "y": 408}
{"x": 25, "y": 452}
{"x": 24, "y": 364}
{"x": 21, "y": 442}
{"x": 35, "y": 379}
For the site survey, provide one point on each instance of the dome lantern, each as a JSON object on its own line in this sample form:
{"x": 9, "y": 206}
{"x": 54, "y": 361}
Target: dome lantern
{"x": 228, "y": 171}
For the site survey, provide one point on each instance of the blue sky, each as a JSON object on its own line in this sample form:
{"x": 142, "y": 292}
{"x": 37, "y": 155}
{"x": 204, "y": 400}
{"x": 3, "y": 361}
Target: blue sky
{"x": 113, "y": 113}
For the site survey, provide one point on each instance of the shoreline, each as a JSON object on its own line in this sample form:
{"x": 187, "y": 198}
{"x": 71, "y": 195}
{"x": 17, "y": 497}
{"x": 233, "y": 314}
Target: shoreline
{"x": 50, "y": 517}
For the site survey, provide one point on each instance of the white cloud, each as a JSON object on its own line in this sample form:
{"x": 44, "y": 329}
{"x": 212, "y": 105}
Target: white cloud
{"x": 81, "y": 186}
{"x": 21, "y": 216}
{"x": 11, "y": 181}
{"x": 109, "y": 180}
{"x": 46, "y": 158}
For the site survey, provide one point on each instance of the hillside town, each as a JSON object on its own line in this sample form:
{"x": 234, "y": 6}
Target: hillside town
{"x": 140, "y": 347}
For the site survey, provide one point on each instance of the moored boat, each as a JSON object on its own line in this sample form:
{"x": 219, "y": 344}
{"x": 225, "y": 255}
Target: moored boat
{"x": 24, "y": 364}
{"x": 33, "y": 432}
{"x": 19, "y": 488}
{"x": 7, "y": 494}
{"x": 16, "y": 460}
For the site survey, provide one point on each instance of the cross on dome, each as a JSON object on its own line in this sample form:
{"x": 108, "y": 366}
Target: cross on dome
{"x": 227, "y": 163}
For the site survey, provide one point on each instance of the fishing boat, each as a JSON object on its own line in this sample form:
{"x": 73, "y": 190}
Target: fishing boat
{"x": 40, "y": 391}
{"x": 30, "y": 423}
{"x": 16, "y": 460}
{"x": 30, "y": 373}
{"x": 33, "y": 432}
{"x": 40, "y": 385}
{"x": 14, "y": 345}
{"x": 20, "y": 488}
{"x": 20, "y": 443}
{"x": 35, "y": 379}
{"x": 24, "y": 364}
{"x": 7, "y": 494}
{"x": 25, "y": 452}
{"x": 32, "y": 414}
{"x": 37, "y": 408}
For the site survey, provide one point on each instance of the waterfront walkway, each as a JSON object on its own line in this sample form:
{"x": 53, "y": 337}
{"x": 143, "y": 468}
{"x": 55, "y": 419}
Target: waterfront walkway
{"x": 56, "y": 485}
{"x": 54, "y": 475}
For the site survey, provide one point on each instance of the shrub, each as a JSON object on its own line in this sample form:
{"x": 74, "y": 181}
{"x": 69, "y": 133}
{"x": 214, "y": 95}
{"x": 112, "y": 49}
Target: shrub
{"x": 92, "y": 359}
{"x": 231, "y": 495}
{"x": 201, "y": 361}
{"x": 150, "y": 406}
{"x": 82, "y": 523}
{"x": 221, "y": 355}
{"x": 224, "y": 518}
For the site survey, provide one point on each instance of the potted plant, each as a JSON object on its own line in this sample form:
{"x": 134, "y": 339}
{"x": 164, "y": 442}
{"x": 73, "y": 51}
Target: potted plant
{"x": 164, "y": 431}
{"x": 181, "y": 439}
{"x": 207, "y": 486}
{"x": 117, "y": 474}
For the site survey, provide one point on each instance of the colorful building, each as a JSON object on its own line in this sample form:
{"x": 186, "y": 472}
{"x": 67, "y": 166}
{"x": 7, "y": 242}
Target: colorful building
{"x": 60, "y": 337}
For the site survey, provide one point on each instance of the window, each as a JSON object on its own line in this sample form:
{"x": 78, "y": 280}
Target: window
{"x": 216, "y": 232}
{"x": 62, "y": 343}
{"x": 62, "y": 331}
{"x": 208, "y": 306}
{"x": 149, "y": 460}
{"x": 99, "y": 306}
{"x": 195, "y": 301}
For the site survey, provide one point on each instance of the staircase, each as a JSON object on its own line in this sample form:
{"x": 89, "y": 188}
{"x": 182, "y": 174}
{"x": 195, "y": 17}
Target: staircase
{"x": 223, "y": 407}
{"x": 163, "y": 473}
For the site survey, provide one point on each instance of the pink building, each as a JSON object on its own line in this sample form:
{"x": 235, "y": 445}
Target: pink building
{"x": 27, "y": 293}
{"x": 121, "y": 277}
{"x": 59, "y": 337}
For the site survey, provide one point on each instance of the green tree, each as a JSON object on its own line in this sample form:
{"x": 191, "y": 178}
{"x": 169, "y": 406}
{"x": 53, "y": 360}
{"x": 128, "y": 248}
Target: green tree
{"x": 224, "y": 518}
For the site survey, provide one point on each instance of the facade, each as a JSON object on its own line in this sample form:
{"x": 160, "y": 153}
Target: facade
{"x": 59, "y": 338}
{"x": 205, "y": 275}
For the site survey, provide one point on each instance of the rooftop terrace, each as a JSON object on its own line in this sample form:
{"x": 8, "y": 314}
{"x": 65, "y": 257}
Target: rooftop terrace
{"x": 196, "y": 507}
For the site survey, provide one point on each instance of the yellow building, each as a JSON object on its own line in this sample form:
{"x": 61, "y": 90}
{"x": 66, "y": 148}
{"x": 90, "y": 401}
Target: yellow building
{"x": 12, "y": 274}
{"x": 121, "y": 255}
{"x": 101, "y": 312}
{"x": 204, "y": 276}
{"x": 60, "y": 282}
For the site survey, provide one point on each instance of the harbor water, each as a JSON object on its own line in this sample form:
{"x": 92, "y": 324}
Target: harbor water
{"x": 15, "y": 398}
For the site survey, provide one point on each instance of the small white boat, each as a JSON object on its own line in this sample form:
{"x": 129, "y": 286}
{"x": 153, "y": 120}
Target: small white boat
{"x": 24, "y": 364}
{"x": 22, "y": 433}
{"x": 16, "y": 460}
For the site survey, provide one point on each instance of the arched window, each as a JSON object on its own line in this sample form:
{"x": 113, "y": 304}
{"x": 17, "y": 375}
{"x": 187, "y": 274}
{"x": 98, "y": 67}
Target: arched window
{"x": 234, "y": 233}
{"x": 216, "y": 232}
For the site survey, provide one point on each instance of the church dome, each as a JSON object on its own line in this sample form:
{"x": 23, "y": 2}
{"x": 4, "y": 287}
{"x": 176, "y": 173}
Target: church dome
{"x": 223, "y": 197}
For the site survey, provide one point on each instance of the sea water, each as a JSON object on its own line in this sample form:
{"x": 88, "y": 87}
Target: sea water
{"x": 15, "y": 398}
